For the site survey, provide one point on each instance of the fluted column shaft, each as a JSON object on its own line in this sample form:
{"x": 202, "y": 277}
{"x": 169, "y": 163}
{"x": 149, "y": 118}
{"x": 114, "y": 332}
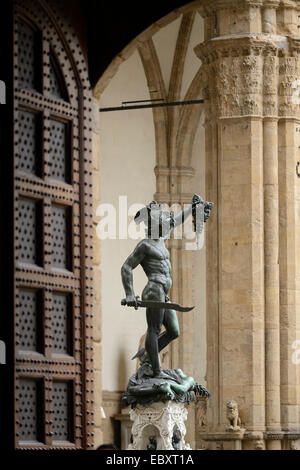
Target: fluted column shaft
{"x": 271, "y": 258}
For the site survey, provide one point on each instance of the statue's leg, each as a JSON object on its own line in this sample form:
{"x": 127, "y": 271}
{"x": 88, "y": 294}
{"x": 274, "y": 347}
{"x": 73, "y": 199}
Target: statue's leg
{"x": 154, "y": 320}
{"x": 171, "y": 324}
{"x": 155, "y": 317}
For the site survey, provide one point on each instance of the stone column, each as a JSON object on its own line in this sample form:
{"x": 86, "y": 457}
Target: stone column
{"x": 252, "y": 267}
{"x": 269, "y": 22}
{"x": 212, "y": 275}
{"x": 235, "y": 276}
{"x": 271, "y": 237}
{"x": 287, "y": 18}
{"x": 235, "y": 130}
{"x": 289, "y": 209}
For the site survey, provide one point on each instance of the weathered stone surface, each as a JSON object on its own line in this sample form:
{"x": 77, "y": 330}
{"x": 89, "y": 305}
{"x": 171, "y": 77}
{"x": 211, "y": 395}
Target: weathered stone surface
{"x": 251, "y": 140}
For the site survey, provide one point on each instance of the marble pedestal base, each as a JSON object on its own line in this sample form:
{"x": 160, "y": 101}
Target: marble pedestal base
{"x": 159, "y": 420}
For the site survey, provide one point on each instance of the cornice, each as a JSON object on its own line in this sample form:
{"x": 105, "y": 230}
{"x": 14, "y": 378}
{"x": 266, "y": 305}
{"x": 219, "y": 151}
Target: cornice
{"x": 240, "y": 45}
{"x": 174, "y": 171}
{"x": 173, "y": 198}
{"x": 271, "y": 3}
{"x": 209, "y": 7}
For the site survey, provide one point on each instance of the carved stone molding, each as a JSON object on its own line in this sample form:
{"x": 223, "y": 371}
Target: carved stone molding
{"x": 274, "y": 435}
{"x": 289, "y": 68}
{"x": 208, "y": 7}
{"x": 112, "y": 399}
{"x": 223, "y": 436}
{"x": 271, "y": 3}
{"x": 250, "y": 75}
{"x": 174, "y": 171}
{"x": 236, "y": 46}
{"x": 173, "y": 198}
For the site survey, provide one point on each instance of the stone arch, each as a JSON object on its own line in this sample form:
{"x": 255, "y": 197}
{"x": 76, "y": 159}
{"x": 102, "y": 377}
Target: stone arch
{"x": 175, "y": 127}
{"x": 147, "y": 431}
{"x": 173, "y": 142}
{"x": 138, "y": 40}
{"x": 178, "y": 432}
{"x": 160, "y": 115}
{"x": 175, "y": 130}
{"x": 189, "y": 121}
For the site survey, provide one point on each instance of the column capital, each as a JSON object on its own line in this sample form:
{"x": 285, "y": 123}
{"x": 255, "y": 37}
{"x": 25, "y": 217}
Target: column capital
{"x": 236, "y": 46}
{"x": 250, "y": 74}
{"x": 235, "y": 67}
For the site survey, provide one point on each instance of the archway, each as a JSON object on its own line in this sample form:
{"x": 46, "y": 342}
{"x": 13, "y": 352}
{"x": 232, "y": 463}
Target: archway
{"x": 163, "y": 159}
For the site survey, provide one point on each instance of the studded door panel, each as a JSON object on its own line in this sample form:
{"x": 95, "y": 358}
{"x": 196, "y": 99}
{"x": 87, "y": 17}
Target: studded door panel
{"x": 53, "y": 233}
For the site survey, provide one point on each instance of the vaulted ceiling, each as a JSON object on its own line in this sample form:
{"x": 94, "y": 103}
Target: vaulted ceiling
{"x": 173, "y": 73}
{"x": 112, "y": 26}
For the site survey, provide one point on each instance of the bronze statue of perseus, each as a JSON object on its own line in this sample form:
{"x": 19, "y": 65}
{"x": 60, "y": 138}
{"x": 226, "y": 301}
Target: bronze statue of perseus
{"x": 152, "y": 254}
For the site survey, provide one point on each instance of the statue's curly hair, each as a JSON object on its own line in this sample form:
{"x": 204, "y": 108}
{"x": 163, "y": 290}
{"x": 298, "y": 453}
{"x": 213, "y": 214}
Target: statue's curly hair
{"x": 143, "y": 214}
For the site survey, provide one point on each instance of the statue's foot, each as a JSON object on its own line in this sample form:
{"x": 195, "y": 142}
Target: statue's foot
{"x": 156, "y": 372}
{"x": 145, "y": 369}
{"x": 139, "y": 354}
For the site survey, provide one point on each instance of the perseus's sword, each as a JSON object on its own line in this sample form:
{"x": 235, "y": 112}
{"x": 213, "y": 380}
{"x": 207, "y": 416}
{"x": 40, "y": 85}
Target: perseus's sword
{"x": 154, "y": 304}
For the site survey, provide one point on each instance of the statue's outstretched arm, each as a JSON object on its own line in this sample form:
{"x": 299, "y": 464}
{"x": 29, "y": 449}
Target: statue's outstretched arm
{"x": 181, "y": 216}
{"x": 131, "y": 263}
